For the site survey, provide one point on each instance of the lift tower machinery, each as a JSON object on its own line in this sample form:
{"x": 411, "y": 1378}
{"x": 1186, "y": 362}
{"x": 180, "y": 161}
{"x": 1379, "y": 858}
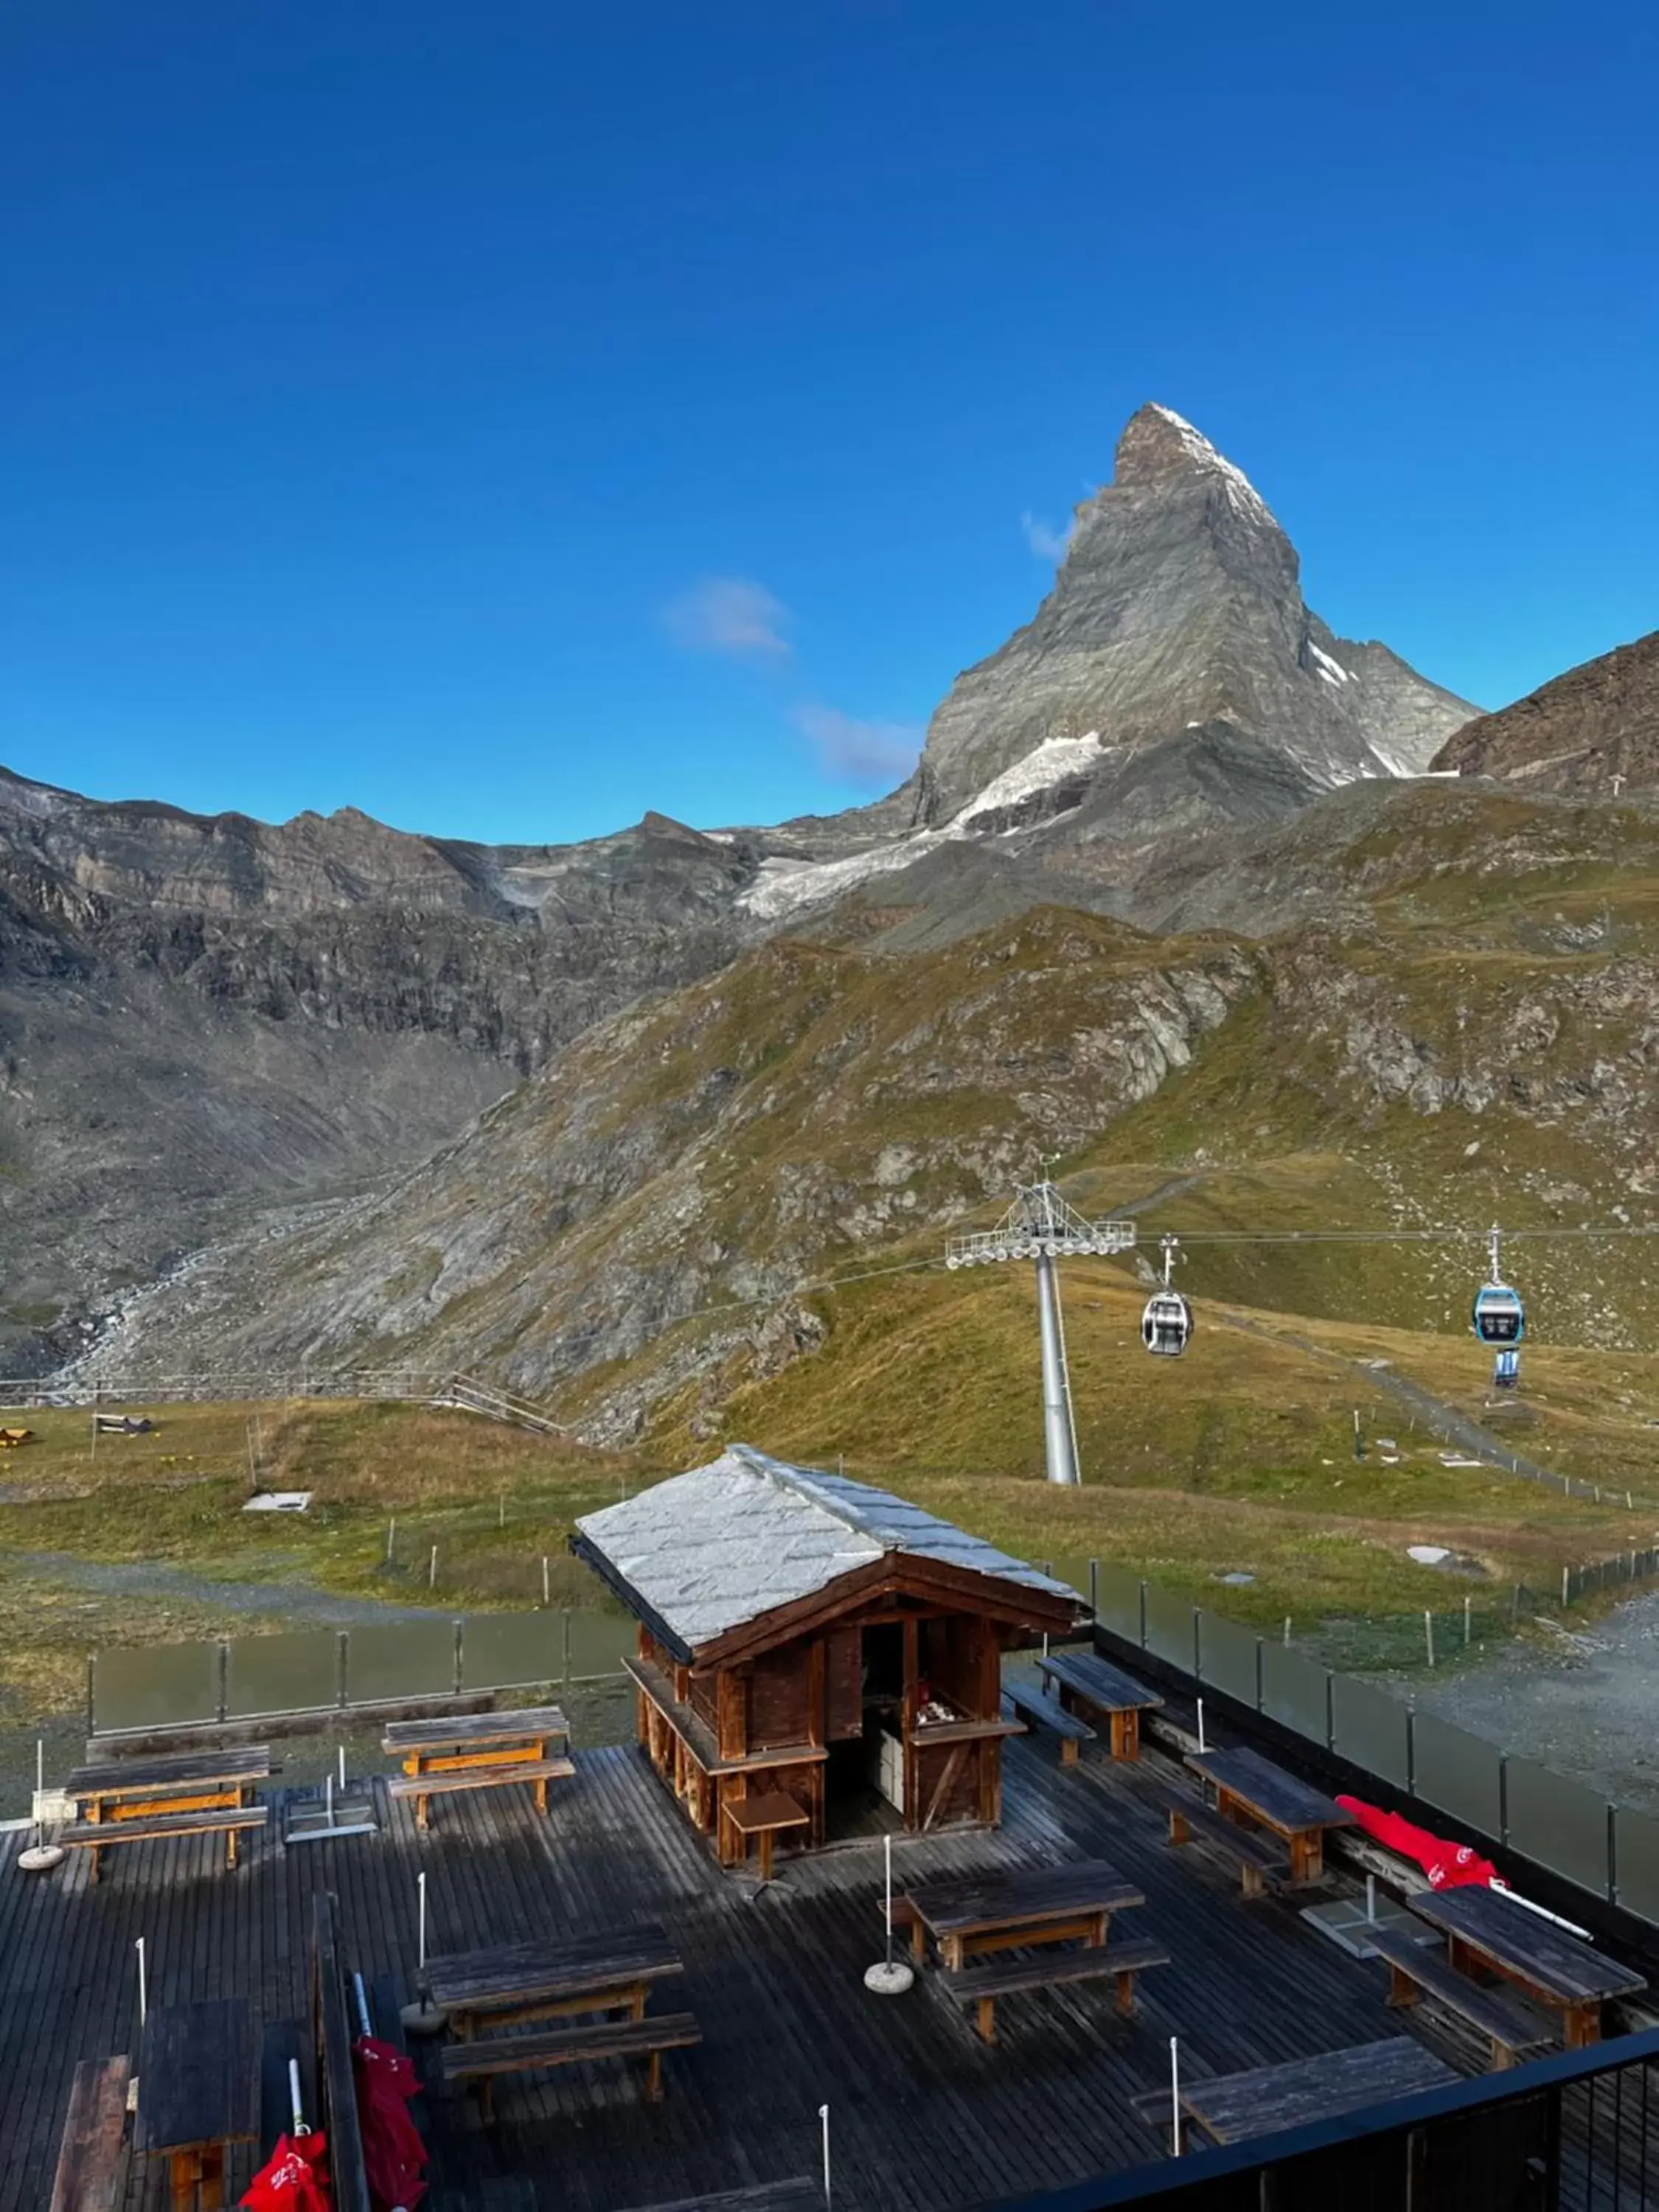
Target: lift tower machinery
{"x": 1041, "y": 1225}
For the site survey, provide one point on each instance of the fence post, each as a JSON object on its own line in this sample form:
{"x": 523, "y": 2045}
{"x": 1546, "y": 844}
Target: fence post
{"x": 1143, "y": 1615}
{"x": 1330, "y": 1711}
{"x": 1504, "y": 1798}
{"x": 92, "y": 1693}
{"x": 1258, "y": 1674}
{"x": 343, "y": 1676}
{"x": 458, "y": 1631}
{"x": 221, "y": 1671}
{"x": 1613, "y": 1855}
{"x": 1094, "y": 1590}
{"x": 1411, "y": 1749}
{"x": 566, "y": 1646}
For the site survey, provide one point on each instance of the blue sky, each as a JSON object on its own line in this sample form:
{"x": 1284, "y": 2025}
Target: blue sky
{"x": 506, "y": 419}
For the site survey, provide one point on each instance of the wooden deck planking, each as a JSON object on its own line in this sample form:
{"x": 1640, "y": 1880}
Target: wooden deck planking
{"x": 923, "y": 2115}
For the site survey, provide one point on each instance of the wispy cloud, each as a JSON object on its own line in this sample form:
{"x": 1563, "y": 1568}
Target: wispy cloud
{"x": 731, "y": 615}
{"x": 1047, "y": 543}
{"x": 878, "y": 754}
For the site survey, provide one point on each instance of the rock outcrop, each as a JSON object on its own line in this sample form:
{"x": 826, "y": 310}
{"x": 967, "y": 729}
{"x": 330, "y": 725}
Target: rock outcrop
{"x": 1594, "y": 732}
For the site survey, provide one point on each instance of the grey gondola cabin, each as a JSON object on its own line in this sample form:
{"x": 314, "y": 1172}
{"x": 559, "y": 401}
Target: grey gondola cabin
{"x": 806, "y": 1637}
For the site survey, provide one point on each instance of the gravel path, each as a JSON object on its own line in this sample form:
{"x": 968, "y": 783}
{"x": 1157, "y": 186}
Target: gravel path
{"x": 1582, "y": 1704}
{"x": 302, "y": 1602}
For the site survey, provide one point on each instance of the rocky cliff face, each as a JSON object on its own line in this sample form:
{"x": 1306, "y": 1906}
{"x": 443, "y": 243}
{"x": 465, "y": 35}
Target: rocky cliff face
{"x": 1178, "y": 608}
{"x": 1594, "y": 732}
{"x": 642, "y": 1221}
{"x": 201, "y": 1016}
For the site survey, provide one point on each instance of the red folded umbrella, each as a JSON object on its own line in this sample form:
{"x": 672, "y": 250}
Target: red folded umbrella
{"x": 1449, "y": 1866}
{"x": 294, "y": 2180}
{"x": 394, "y": 2157}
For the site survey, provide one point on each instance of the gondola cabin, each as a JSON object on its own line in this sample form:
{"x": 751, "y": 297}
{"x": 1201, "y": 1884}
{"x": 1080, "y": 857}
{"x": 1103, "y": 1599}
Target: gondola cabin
{"x": 806, "y": 1637}
{"x": 1498, "y": 1317}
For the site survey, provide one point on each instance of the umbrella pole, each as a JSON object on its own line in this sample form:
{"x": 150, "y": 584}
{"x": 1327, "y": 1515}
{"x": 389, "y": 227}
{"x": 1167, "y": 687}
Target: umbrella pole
{"x": 423, "y": 2017}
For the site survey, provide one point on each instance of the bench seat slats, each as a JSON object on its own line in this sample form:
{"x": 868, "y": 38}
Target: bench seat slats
{"x": 92, "y": 2159}
{"x": 566, "y": 2046}
{"x": 94, "y": 1835}
{"x": 1248, "y": 1845}
{"x": 1096, "y": 1962}
{"x": 1507, "y": 2020}
{"x": 1046, "y": 1713}
{"x": 447, "y": 1780}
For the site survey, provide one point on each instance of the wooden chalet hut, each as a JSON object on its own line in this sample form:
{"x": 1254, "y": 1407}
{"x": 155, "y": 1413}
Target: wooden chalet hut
{"x": 805, "y": 1635}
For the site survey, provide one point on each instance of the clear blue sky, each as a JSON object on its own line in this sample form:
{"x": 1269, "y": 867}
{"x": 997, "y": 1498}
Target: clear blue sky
{"x": 505, "y": 418}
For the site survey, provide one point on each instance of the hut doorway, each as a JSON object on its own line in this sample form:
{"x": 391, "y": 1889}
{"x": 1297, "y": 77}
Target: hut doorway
{"x": 864, "y": 1782}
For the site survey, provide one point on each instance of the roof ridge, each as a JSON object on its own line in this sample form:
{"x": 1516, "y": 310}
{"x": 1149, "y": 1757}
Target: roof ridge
{"x": 804, "y": 1481}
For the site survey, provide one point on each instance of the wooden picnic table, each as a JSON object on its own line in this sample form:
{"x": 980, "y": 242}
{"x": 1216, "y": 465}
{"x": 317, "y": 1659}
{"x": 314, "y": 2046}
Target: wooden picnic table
{"x": 465, "y": 1739}
{"x": 764, "y": 1816}
{"x": 611, "y": 1970}
{"x": 1249, "y": 1788}
{"x": 199, "y": 2090}
{"x": 1232, "y": 2108}
{"x": 1082, "y": 1678}
{"x": 188, "y": 1781}
{"x": 1001, "y": 1911}
{"x": 1483, "y": 1928}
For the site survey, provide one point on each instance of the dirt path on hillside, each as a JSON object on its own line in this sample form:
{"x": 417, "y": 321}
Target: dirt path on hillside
{"x": 301, "y": 1602}
{"x": 1446, "y": 1421}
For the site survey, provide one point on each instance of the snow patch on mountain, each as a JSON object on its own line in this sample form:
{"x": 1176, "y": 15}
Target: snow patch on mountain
{"x": 1239, "y": 489}
{"x": 1054, "y": 761}
{"x": 1331, "y": 670}
{"x": 784, "y": 886}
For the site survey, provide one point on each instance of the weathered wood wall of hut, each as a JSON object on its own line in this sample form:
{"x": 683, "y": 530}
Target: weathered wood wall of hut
{"x": 958, "y": 1658}
{"x": 948, "y": 1783}
{"x": 779, "y": 1706}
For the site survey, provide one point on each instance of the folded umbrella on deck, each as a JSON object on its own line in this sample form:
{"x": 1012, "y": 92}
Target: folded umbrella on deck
{"x": 294, "y": 2179}
{"x": 394, "y": 2157}
{"x": 1449, "y": 1866}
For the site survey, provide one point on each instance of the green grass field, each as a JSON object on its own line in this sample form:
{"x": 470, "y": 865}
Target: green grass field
{"x": 1238, "y": 1459}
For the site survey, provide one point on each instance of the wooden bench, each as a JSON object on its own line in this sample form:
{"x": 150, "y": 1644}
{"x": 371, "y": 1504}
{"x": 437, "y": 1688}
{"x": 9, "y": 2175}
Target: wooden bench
{"x": 800, "y": 2195}
{"x": 1414, "y": 1970}
{"x": 444, "y": 1783}
{"x": 646, "y": 2038}
{"x": 1046, "y": 1713}
{"x": 981, "y": 1986}
{"x": 92, "y": 2158}
{"x": 98, "y": 1836}
{"x": 1258, "y": 1858}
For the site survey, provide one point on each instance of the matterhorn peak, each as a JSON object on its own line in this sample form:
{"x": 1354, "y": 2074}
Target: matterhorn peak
{"x": 1159, "y": 446}
{"x": 1177, "y": 614}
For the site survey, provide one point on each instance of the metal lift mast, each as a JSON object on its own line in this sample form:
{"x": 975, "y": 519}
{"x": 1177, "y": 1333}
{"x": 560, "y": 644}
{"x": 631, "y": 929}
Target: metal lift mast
{"x": 1040, "y": 1226}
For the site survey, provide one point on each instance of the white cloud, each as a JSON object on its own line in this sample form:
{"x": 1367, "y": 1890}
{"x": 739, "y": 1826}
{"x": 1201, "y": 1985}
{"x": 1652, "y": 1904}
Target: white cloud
{"x": 879, "y": 754}
{"x": 730, "y": 615}
{"x": 1048, "y": 544}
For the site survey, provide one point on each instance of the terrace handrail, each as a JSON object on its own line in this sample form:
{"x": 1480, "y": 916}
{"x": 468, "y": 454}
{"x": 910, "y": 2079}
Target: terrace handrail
{"x": 1191, "y": 2179}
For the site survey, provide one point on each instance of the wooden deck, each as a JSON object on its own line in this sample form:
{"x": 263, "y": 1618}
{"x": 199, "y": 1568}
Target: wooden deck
{"x": 922, "y": 2114}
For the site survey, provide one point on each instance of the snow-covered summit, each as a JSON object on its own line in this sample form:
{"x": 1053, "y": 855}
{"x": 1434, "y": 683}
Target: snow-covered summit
{"x": 1157, "y": 444}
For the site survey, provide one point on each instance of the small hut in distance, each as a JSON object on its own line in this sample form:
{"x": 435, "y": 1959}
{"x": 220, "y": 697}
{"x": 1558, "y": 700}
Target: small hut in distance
{"x": 801, "y": 1633}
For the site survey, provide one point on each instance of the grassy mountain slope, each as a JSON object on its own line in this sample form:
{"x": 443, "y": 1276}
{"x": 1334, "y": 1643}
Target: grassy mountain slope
{"x": 1462, "y": 1025}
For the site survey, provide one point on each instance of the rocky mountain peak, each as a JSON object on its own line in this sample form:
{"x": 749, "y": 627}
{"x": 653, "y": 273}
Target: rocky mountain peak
{"x": 1158, "y": 447}
{"x": 1178, "y": 609}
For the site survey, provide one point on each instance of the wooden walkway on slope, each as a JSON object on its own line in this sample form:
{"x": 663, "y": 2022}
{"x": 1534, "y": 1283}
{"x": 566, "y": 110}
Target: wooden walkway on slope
{"x": 923, "y": 2115}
